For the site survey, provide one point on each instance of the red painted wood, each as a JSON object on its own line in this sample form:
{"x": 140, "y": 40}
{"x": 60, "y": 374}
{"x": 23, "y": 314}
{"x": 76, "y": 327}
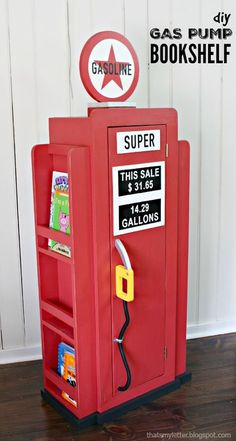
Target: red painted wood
{"x": 183, "y": 228}
{"x": 59, "y": 149}
{"x": 144, "y": 341}
{"x": 57, "y": 326}
{"x": 49, "y": 233}
{"x": 83, "y": 282}
{"x": 61, "y": 383}
{"x": 58, "y": 311}
{"x": 81, "y": 293}
{"x": 56, "y": 393}
{"x": 101, "y": 120}
{"x": 56, "y": 256}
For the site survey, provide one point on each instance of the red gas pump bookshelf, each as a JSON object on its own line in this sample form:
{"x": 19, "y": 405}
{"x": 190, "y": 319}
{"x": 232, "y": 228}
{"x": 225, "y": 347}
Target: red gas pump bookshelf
{"x": 78, "y": 302}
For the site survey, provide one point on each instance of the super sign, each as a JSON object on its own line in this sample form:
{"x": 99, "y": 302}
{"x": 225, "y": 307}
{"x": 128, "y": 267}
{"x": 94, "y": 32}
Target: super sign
{"x": 109, "y": 67}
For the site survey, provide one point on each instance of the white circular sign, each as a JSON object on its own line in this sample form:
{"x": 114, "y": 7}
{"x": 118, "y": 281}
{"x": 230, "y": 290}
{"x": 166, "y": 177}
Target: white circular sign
{"x": 109, "y": 67}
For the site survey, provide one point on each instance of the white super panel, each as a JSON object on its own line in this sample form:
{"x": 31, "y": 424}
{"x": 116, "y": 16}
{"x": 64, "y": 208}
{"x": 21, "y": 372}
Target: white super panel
{"x": 138, "y": 141}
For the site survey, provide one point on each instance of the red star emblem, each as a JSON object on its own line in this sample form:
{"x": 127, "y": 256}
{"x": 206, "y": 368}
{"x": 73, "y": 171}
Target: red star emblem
{"x": 117, "y": 67}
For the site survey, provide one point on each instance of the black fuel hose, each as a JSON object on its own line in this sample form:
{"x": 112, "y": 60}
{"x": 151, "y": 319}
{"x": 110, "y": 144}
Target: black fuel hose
{"x": 121, "y": 348}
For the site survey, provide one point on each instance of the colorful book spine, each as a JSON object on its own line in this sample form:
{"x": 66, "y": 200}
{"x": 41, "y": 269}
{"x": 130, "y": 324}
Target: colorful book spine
{"x": 59, "y": 211}
{"x": 66, "y": 368}
{"x": 69, "y": 375}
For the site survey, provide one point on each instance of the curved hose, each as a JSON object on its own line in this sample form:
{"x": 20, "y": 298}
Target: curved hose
{"x": 121, "y": 349}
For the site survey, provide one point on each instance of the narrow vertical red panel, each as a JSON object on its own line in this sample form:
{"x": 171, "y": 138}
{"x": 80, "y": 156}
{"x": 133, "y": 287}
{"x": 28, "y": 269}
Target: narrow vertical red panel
{"x": 42, "y": 181}
{"x": 82, "y": 278}
{"x": 41, "y": 170}
{"x": 182, "y": 284}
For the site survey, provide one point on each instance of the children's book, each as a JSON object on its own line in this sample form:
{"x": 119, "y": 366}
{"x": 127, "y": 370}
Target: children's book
{"x": 59, "y": 211}
{"x": 69, "y": 375}
{"x": 66, "y": 368}
{"x": 62, "y": 349}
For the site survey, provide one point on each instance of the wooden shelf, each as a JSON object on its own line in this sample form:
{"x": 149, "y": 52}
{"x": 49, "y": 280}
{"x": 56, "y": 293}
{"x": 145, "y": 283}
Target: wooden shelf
{"x": 60, "y": 383}
{"x": 49, "y": 233}
{"x": 56, "y": 393}
{"x": 60, "y": 287}
{"x": 59, "y": 311}
{"x": 61, "y": 329}
{"x": 55, "y": 255}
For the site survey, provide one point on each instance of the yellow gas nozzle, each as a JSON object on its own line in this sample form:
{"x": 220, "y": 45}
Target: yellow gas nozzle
{"x": 124, "y": 274}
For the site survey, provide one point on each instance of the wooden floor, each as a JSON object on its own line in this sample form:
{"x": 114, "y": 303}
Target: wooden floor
{"x": 207, "y": 404}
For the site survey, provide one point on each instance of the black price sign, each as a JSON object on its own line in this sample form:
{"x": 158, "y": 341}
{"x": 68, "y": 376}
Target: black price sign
{"x": 138, "y": 197}
{"x": 139, "y": 180}
{"x": 139, "y": 214}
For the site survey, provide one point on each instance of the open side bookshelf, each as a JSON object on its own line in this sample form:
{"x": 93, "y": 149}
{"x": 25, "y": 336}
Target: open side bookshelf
{"x": 61, "y": 291}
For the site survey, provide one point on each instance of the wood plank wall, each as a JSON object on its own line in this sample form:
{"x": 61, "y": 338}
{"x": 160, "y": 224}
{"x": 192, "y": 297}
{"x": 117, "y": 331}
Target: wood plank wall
{"x": 40, "y": 43}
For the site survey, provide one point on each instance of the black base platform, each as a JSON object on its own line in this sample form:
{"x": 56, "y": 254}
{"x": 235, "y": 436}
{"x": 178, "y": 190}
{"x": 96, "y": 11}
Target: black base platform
{"x": 100, "y": 418}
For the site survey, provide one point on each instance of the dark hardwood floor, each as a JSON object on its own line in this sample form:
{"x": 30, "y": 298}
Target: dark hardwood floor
{"x": 207, "y": 404}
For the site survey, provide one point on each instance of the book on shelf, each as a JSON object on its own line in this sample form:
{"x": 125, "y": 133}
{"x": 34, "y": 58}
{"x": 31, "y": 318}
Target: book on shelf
{"x": 59, "y": 211}
{"x": 66, "y": 368}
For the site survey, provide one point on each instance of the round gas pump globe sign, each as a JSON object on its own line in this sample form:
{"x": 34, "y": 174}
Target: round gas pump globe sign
{"x": 109, "y": 67}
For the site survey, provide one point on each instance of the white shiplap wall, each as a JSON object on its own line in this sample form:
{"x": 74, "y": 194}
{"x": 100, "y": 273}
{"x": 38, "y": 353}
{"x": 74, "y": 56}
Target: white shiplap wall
{"x": 40, "y": 43}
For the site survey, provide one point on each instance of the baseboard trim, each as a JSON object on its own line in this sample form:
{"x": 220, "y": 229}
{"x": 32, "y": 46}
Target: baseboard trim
{"x": 28, "y": 353}
{"x": 211, "y": 329}
{"x": 25, "y": 353}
